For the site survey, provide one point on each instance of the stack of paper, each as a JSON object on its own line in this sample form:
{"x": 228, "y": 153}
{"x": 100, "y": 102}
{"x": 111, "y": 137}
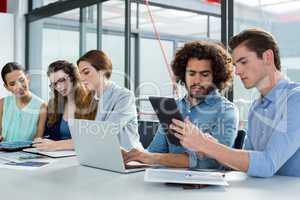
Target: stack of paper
{"x": 163, "y": 175}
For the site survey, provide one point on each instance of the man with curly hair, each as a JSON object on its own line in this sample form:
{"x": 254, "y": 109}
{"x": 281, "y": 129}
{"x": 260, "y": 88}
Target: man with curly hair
{"x": 205, "y": 69}
{"x": 272, "y": 145}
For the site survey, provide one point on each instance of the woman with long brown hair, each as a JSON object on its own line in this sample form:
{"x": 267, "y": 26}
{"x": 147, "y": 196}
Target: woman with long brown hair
{"x": 115, "y": 104}
{"x": 71, "y": 100}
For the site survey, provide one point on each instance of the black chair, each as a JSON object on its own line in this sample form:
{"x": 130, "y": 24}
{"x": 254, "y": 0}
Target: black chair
{"x": 239, "y": 140}
{"x": 147, "y": 130}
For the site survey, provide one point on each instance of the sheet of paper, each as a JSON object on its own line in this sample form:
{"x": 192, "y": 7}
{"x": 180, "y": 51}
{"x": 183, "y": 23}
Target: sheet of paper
{"x": 23, "y": 161}
{"x": 19, "y": 156}
{"x": 24, "y": 165}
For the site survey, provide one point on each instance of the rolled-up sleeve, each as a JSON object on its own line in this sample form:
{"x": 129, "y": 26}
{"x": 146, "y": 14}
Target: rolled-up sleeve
{"x": 283, "y": 143}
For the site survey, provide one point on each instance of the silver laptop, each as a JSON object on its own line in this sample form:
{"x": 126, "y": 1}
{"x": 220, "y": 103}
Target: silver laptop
{"x": 97, "y": 145}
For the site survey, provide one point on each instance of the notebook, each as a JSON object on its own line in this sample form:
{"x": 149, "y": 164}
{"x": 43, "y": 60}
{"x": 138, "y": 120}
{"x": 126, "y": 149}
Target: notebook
{"x": 183, "y": 176}
{"x": 51, "y": 154}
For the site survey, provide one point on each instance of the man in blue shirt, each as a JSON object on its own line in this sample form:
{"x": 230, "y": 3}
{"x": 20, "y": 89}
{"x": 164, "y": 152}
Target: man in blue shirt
{"x": 273, "y": 140}
{"x": 204, "y": 68}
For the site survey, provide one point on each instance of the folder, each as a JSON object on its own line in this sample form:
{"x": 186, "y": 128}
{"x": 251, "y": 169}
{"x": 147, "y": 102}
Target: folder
{"x": 51, "y": 154}
{"x": 183, "y": 176}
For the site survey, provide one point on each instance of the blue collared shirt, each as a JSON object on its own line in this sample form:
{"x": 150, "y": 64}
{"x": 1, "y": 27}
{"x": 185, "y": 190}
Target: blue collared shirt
{"x": 215, "y": 115}
{"x": 274, "y": 132}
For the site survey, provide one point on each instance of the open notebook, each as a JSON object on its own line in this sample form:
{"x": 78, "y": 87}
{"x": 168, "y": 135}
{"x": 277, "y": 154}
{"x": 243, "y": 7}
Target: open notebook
{"x": 182, "y": 176}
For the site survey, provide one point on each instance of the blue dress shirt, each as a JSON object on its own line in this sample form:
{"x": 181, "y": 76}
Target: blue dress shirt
{"x": 274, "y": 132}
{"x": 214, "y": 115}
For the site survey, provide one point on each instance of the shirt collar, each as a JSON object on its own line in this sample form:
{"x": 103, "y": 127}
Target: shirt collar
{"x": 272, "y": 95}
{"x": 210, "y": 99}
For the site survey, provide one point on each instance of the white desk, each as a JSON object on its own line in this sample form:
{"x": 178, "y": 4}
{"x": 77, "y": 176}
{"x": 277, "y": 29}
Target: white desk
{"x": 65, "y": 179}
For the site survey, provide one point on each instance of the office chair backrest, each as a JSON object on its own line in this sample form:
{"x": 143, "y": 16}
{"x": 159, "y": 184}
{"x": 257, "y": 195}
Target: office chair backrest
{"x": 239, "y": 140}
{"x": 147, "y": 130}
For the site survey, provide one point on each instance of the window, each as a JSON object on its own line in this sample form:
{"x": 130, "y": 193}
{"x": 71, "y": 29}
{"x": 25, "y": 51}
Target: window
{"x": 51, "y": 39}
{"x": 70, "y": 34}
{"x": 280, "y": 18}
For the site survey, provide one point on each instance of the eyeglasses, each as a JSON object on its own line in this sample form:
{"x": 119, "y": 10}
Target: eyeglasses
{"x": 60, "y": 81}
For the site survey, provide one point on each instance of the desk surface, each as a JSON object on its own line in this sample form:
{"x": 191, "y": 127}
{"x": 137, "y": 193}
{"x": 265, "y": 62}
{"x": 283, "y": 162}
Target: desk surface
{"x": 65, "y": 179}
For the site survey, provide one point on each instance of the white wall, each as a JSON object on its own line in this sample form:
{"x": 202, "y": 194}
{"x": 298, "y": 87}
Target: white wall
{"x": 7, "y": 44}
{"x": 19, "y": 8}
{"x": 12, "y": 35}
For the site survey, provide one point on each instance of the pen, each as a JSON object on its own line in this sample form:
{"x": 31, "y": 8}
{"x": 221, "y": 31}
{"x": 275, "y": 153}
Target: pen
{"x": 199, "y": 176}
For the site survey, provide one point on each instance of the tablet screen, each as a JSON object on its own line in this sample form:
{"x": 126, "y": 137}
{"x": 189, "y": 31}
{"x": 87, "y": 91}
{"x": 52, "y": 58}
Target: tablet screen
{"x": 166, "y": 110}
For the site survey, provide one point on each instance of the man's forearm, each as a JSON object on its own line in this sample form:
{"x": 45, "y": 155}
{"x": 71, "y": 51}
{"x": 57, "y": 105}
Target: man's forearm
{"x": 171, "y": 160}
{"x": 233, "y": 158}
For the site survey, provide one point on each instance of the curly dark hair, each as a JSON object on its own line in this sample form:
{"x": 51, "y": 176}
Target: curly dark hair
{"x": 221, "y": 62}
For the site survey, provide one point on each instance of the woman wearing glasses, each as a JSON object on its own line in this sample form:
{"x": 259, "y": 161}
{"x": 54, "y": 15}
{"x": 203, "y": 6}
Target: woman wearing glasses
{"x": 115, "y": 104}
{"x": 23, "y": 114}
{"x": 70, "y": 100}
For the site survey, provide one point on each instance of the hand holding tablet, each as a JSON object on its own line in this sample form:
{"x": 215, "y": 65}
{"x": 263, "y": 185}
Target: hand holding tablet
{"x": 166, "y": 110}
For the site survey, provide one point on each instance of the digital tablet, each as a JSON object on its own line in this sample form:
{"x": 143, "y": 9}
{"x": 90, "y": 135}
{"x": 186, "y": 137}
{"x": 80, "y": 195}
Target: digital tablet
{"x": 166, "y": 110}
{"x": 15, "y": 146}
